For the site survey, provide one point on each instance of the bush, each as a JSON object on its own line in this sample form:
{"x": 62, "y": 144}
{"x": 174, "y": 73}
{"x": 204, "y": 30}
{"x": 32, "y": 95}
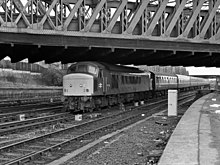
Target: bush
{"x": 52, "y": 77}
{"x": 11, "y": 78}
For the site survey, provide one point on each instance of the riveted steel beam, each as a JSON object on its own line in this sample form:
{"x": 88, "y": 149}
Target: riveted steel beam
{"x": 41, "y": 7}
{"x": 19, "y": 6}
{"x": 209, "y": 20}
{"x": 1, "y": 20}
{"x": 137, "y": 16}
{"x": 47, "y": 15}
{"x": 216, "y": 37}
{"x": 192, "y": 19}
{"x": 94, "y": 15}
{"x": 156, "y": 17}
{"x": 105, "y": 15}
{"x": 116, "y": 16}
{"x": 175, "y": 17}
{"x": 72, "y": 13}
{"x": 22, "y": 14}
{"x": 1, "y": 2}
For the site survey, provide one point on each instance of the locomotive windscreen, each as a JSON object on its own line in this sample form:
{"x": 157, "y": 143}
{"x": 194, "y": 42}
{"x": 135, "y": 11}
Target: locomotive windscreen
{"x": 83, "y": 68}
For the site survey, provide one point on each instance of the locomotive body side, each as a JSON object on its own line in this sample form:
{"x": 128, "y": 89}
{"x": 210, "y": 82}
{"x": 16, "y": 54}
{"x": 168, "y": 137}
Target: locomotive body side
{"x": 90, "y": 85}
{"x": 134, "y": 82}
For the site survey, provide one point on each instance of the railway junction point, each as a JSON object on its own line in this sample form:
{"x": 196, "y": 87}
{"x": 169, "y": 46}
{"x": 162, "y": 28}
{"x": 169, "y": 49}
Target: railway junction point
{"x": 195, "y": 140}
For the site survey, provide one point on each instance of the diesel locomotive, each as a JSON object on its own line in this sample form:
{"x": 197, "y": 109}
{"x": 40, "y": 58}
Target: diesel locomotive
{"x": 90, "y": 85}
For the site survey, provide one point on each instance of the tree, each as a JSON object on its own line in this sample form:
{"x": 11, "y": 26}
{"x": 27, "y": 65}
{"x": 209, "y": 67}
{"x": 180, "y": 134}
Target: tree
{"x": 52, "y": 76}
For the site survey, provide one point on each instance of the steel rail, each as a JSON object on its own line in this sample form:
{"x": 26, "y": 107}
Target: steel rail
{"x": 23, "y": 106}
{"x": 70, "y": 128}
{"x": 30, "y": 111}
{"x": 27, "y": 158}
{"x": 23, "y": 101}
{"x": 14, "y": 126}
{"x": 27, "y": 122}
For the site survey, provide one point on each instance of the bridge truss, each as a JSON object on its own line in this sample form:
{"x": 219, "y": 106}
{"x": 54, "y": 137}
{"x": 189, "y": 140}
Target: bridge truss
{"x": 128, "y": 26}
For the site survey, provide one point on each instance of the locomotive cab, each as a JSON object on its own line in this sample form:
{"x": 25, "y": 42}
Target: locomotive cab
{"x": 83, "y": 81}
{"x": 79, "y": 80}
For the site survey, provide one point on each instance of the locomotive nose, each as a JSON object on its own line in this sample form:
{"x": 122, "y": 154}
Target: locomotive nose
{"x": 77, "y": 84}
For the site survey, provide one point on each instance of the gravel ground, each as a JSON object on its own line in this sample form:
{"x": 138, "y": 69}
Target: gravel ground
{"x": 142, "y": 144}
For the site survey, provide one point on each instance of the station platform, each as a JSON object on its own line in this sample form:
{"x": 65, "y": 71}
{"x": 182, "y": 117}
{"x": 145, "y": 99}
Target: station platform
{"x": 196, "y": 139}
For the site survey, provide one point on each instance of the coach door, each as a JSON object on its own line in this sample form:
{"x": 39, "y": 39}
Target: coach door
{"x": 103, "y": 81}
{"x": 105, "y": 85}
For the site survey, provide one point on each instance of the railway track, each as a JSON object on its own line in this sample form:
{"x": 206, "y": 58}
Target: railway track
{"x": 27, "y": 101}
{"x": 28, "y": 106}
{"x": 45, "y": 148}
{"x": 34, "y": 119}
{"x": 18, "y": 126}
{"x": 13, "y": 115}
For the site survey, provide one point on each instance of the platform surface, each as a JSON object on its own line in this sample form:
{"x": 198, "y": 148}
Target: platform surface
{"x": 196, "y": 139}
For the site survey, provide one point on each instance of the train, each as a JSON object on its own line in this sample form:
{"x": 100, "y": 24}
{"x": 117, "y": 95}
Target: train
{"x": 90, "y": 85}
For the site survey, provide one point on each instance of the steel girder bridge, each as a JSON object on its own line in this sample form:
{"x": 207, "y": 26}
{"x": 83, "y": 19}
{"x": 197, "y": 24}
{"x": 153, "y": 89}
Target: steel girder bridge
{"x": 152, "y": 32}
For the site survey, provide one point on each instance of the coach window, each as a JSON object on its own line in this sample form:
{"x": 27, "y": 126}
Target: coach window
{"x": 127, "y": 79}
{"x": 131, "y": 80}
{"x": 157, "y": 80}
{"x": 122, "y": 79}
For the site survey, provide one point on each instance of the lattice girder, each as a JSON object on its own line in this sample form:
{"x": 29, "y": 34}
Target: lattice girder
{"x": 198, "y": 20}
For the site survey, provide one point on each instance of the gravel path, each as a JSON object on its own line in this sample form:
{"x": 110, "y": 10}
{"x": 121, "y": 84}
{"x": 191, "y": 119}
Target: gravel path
{"x": 142, "y": 144}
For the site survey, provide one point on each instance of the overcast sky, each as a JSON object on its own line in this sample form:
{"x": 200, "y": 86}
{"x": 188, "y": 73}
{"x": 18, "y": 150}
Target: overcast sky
{"x": 203, "y": 71}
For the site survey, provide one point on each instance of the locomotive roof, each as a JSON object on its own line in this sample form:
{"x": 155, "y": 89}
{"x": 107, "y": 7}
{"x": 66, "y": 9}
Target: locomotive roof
{"x": 163, "y": 74}
{"x": 120, "y": 68}
{"x": 115, "y": 68}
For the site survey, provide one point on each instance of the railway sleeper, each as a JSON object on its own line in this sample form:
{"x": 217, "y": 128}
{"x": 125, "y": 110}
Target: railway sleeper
{"x": 11, "y": 154}
{"x": 28, "y": 150}
{"x": 4, "y": 159}
{"x": 37, "y": 147}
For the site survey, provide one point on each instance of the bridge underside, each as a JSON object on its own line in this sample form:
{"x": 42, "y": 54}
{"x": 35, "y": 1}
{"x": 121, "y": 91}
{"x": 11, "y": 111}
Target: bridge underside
{"x": 151, "y": 32}
{"x": 67, "y": 49}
